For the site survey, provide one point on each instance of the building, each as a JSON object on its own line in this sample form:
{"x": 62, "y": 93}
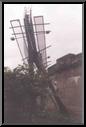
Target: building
{"x": 67, "y": 72}
{"x": 66, "y": 62}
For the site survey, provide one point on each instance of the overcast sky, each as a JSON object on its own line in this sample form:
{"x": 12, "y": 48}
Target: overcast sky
{"x": 65, "y": 26}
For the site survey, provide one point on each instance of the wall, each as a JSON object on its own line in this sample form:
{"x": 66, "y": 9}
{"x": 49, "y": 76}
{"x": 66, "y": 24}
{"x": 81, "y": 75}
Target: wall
{"x": 69, "y": 87}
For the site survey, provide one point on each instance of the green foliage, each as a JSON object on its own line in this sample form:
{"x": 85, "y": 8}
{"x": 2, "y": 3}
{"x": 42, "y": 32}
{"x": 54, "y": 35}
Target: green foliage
{"x": 20, "y": 95}
{"x": 20, "y": 90}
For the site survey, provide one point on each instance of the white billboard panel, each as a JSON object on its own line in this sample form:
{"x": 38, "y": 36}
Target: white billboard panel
{"x": 40, "y": 37}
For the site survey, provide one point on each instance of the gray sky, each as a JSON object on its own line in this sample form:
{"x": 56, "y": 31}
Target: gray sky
{"x": 65, "y": 25}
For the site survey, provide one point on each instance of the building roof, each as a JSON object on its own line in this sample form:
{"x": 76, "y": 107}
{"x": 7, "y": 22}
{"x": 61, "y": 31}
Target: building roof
{"x": 66, "y": 62}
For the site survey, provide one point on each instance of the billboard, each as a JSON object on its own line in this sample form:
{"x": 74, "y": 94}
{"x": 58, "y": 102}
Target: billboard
{"x": 40, "y": 37}
{"x": 20, "y": 37}
{"x": 30, "y": 35}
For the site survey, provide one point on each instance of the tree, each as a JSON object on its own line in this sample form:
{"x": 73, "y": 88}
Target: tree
{"x": 21, "y": 93}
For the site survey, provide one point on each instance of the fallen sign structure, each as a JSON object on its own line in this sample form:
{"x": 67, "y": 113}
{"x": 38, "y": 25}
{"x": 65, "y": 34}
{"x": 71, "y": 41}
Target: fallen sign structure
{"x": 35, "y": 51}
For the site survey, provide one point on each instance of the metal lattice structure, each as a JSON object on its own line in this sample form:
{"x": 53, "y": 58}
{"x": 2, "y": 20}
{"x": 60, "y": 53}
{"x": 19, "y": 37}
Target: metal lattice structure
{"x": 37, "y": 33}
{"x": 33, "y": 49}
